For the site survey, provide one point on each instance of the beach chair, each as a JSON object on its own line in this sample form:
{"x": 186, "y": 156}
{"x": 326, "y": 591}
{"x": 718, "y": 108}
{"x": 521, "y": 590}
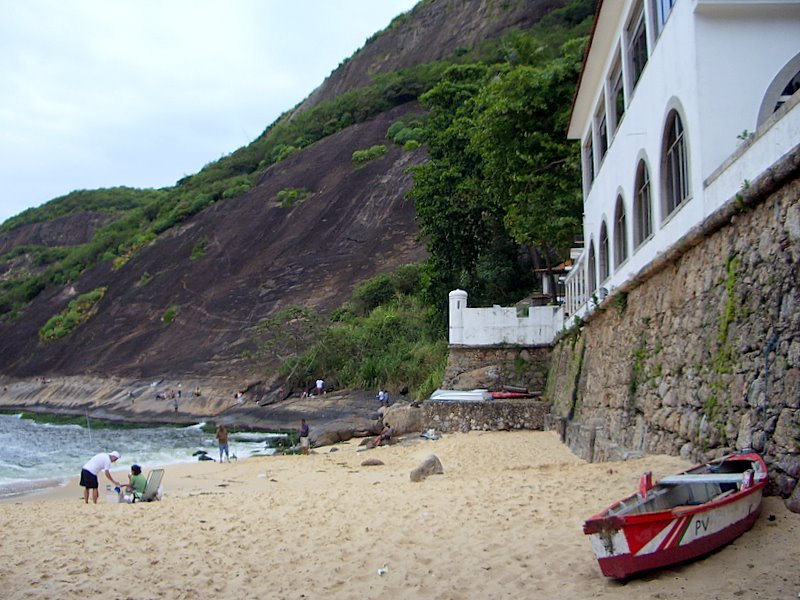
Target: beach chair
{"x": 153, "y": 487}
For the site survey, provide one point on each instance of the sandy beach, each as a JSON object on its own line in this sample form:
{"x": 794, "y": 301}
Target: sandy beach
{"x": 503, "y": 521}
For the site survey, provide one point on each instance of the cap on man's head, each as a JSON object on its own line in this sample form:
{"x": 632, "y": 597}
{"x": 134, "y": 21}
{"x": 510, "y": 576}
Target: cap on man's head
{"x": 114, "y": 454}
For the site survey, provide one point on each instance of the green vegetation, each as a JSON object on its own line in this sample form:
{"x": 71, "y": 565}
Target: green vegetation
{"x": 718, "y": 402}
{"x": 144, "y": 279}
{"x": 111, "y": 200}
{"x": 169, "y": 315}
{"x": 290, "y": 196}
{"x": 199, "y": 249}
{"x": 53, "y": 419}
{"x": 728, "y": 314}
{"x": 362, "y": 157}
{"x": 385, "y": 336}
{"x": 406, "y": 130}
{"x": 621, "y": 303}
{"x": 38, "y": 255}
{"x": 78, "y": 311}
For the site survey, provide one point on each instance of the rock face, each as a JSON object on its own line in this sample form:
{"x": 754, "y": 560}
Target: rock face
{"x": 704, "y": 356}
{"x": 404, "y": 418}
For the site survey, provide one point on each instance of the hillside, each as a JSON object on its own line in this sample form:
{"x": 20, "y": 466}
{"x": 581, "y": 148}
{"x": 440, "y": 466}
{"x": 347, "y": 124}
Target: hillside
{"x": 258, "y": 258}
{"x": 184, "y": 274}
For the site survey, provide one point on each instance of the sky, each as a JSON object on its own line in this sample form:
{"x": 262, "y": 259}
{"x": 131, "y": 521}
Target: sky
{"x": 140, "y": 93}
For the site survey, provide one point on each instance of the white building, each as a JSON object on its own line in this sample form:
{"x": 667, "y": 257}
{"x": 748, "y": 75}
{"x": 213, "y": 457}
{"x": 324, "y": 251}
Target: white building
{"x": 680, "y": 104}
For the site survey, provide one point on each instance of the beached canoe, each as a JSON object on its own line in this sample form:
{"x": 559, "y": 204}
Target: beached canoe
{"x": 441, "y": 395}
{"x": 681, "y": 517}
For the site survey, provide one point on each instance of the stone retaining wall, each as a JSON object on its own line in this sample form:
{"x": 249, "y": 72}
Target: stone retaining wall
{"x": 448, "y": 417}
{"x": 702, "y": 356}
{"x": 492, "y": 367}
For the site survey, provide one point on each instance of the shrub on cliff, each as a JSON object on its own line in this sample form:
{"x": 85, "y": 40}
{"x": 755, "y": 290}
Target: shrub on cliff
{"x": 78, "y": 311}
{"x": 362, "y": 157}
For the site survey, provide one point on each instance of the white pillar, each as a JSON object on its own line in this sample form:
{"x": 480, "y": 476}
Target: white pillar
{"x": 458, "y": 302}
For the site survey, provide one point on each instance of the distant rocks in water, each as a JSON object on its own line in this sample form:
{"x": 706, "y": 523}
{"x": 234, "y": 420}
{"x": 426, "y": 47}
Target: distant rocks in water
{"x": 430, "y": 466}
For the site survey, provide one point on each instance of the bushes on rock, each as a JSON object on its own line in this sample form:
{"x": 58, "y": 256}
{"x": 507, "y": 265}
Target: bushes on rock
{"x": 362, "y": 157}
{"x": 77, "y": 312}
{"x": 290, "y": 196}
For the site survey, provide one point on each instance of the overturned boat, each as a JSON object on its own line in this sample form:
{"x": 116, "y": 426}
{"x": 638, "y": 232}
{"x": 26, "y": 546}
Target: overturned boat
{"x": 441, "y": 395}
{"x": 681, "y": 517}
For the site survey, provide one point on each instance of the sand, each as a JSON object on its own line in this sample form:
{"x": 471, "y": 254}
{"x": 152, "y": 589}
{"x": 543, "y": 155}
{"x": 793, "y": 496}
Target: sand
{"x": 503, "y": 521}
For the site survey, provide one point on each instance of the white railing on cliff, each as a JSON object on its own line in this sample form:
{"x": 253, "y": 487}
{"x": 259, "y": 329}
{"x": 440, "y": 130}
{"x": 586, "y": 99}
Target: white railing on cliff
{"x": 501, "y": 326}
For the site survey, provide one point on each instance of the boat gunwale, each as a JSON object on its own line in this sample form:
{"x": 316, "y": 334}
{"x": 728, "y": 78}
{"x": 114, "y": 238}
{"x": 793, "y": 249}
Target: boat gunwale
{"x": 603, "y": 521}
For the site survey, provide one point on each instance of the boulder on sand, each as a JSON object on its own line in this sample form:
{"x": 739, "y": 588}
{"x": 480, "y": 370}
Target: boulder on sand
{"x": 430, "y": 466}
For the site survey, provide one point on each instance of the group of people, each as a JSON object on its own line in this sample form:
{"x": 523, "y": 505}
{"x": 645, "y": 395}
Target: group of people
{"x": 102, "y": 462}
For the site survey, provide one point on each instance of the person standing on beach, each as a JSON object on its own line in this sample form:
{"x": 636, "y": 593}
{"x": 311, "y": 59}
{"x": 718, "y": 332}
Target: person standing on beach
{"x": 89, "y": 472}
{"x": 222, "y": 439}
{"x": 320, "y": 386}
{"x": 304, "y": 441}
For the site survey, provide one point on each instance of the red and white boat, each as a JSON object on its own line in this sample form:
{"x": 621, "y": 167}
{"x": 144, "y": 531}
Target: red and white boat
{"x": 679, "y": 518}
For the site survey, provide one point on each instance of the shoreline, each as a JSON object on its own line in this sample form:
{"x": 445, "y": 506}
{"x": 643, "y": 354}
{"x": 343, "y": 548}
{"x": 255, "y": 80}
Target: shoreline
{"x": 504, "y": 520}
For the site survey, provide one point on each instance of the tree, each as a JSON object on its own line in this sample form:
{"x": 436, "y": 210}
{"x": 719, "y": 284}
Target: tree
{"x": 529, "y": 167}
{"x": 465, "y": 234}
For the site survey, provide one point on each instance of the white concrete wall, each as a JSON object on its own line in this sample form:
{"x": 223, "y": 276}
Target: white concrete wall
{"x": 499, "y": 325}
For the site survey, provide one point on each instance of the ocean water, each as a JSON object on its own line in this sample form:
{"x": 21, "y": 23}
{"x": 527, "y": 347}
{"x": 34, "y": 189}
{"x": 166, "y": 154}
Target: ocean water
{"x": 35, "y": 455}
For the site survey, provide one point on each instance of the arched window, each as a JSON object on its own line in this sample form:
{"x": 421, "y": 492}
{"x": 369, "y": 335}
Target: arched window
{"x": 604, "y": 262}
{"x": 642, "y": 209}
{"x": 783, "y": 87}
{"x": 592, "y": 268}
{"x": 676, "y": 165}
{"x": 620, "y": 234}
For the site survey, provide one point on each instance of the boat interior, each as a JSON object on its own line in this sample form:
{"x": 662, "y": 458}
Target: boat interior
{"x": 695, "y": 487}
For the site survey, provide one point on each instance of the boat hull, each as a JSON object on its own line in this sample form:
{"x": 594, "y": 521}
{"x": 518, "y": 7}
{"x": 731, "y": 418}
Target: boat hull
{"x": 679, "y": 538}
